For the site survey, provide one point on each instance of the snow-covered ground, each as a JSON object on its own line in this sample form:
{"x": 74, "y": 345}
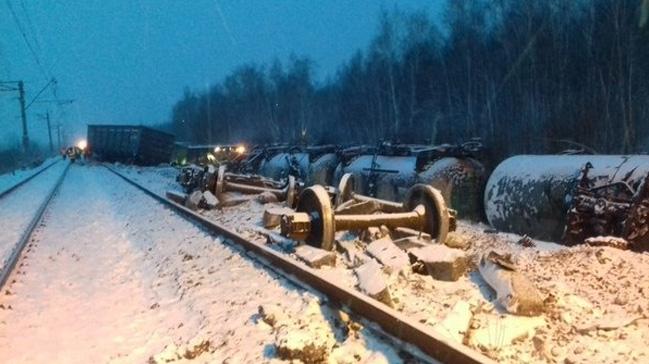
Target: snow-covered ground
{"x": 113, "y": 276}
{"x": 17, "y": 208}
{"x": 8, "y": 180}
{"x": 596, "y": 298}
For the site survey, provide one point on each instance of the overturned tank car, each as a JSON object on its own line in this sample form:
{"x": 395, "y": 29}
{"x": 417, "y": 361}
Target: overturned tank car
{"x": 571, "y": 197}
{"x": 388, "y": 171}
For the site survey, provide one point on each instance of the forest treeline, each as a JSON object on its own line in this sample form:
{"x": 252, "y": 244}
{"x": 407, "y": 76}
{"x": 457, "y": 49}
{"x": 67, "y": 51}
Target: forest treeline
{"x": 527, "y": 76}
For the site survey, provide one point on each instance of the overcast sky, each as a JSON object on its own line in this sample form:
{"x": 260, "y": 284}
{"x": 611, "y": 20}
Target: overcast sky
{"x": 127, "y": 61}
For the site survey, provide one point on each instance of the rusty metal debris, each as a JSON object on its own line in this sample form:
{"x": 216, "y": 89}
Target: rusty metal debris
{"x": 604, "y": 208}
{"x": 315, "y": 221}
{"x": 252, "y": 184}
{"x": 571, "y": 198}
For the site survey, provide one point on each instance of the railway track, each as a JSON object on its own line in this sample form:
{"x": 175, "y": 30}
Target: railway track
{"x": 17, "y": 249}
{"x": 392, "y": 322}
{"x": 14, "y": 187}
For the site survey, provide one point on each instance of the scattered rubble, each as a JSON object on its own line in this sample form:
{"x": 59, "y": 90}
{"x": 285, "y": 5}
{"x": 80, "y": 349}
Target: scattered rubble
{"x": 314, "y": 257}
{"x": 211, "y": 202}
{"x": 194, "y": 200}
{"x": 388, "y": 254}
{"x": 439, "y": 261}
{"x": 372, "y": 283}
{"x": 515, "y": 292}
{"x": 454, "y": 240}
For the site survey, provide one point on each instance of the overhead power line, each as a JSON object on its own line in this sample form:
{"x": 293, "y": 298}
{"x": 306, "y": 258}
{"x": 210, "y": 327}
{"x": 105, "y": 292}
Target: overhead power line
{"x": 21, "y": 30}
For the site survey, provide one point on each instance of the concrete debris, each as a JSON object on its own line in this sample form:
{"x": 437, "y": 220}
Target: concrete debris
{"x": 211, "y": 202}
{"x": 455, "y": 240}
{"x": 373, "y": 233}
{"x": 273, "y": 216}
{"x": 393, "y": 258}
{"x": 402, "y": 232}
{"x": 314, "y": 257}
{"x": 352, "y": 253}
{"x": 441, "y": 262}
{"x": 410, "y": 242}
{"x": 455, "y": 325}
{"x": 267, "y": 197}
{"x": 372, "y": 282}
{"x": 515, "y": 292}
{"x": 177, "y": 197}
{"x": 194, "y": 200}
{"x": 612, "y": 241}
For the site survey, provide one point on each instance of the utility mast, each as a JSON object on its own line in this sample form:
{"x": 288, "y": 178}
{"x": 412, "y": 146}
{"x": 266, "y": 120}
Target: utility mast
{"x": 4, "y": 86}
{"x": 23, "y": 114}
{"x": 46, "y": 117}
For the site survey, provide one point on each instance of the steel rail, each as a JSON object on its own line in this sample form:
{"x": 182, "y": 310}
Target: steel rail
{"x": 10, "y": 264}
{"x": 391, "y": 321}
{"x": 12, "y": 188}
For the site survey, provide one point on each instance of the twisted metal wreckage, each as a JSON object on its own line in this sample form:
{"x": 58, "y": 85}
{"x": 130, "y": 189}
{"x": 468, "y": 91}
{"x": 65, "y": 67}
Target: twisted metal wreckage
{"x": 565, "y": 198}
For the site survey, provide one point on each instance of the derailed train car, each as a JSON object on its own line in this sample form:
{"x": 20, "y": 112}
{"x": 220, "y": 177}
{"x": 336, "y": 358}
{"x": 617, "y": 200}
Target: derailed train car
{"x": 570, "y": 197}
{"x": 130, "y": 144}
{"x": 452, "y": 169}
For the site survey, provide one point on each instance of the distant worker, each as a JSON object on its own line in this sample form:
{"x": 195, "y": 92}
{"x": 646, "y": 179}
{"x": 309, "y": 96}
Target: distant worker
{"x": 73, "y": 153}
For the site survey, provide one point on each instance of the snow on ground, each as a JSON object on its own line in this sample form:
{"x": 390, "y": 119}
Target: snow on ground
{"x": 8, "y": 180}
{"x": 113, "y": 276}
{"x": 597, "y": 298}
{"x": 17, "y": 208}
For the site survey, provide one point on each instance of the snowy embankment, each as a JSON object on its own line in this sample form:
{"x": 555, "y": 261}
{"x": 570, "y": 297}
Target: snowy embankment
{"x": 113, "y": 276}
{"x": 17, "y": 208}
{"x": 8, "y": 180}
{"x": 596, "y": 299}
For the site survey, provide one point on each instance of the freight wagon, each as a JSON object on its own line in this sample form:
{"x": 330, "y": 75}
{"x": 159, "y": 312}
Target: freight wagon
{"x": 130, "y": 144}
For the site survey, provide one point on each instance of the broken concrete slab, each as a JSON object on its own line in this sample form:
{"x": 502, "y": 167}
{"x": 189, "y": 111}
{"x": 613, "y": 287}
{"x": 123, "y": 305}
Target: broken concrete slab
{"x": 352, "y": 253}
{"x": 393, "y": 258}
{"x": 194, "y": 200}
{"x": 177, "y": 197}
{"x": 439, "y": 261}
{"x": 410, "y": 242}
{"x": 515, "y": 292}
{"x": 273, "y": 215}
{"x": 455, "y": 240}
{"x": 267, "y": 197}
{"x": 211, "y": 202}
{"x": 314, "y": 257}
{"x": 372, "y": 282}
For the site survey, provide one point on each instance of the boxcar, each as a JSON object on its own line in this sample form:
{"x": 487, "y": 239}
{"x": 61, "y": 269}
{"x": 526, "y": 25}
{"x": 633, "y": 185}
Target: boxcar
{"x": 130, "y": 144}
